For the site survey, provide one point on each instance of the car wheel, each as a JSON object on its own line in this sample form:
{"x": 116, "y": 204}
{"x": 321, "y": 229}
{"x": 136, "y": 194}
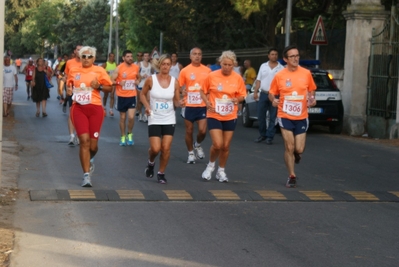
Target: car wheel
{"x": 336, "y": 129}
{"x": 245, "y": 117}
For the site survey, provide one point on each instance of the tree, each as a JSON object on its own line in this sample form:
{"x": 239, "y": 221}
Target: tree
{"x": 15, "y": 15}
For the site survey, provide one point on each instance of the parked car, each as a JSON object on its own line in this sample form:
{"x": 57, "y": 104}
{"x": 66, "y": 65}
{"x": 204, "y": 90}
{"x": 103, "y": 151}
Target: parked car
{"x": 328, "y": 111}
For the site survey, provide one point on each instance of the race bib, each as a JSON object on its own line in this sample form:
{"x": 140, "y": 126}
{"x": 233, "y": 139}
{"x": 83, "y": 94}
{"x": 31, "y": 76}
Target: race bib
{"x": 194, "y": 98}
{"x": 224, "y": 106}
{"x": 30, "y": 73}
{"x": 292, "y": 108}
{"x": 129, "y": 85}
{"x": 82, "y": 97}
{"x": 163, "y": 106}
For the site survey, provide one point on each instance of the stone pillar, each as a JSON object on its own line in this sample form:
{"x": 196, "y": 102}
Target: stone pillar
{"x": 361, "y": 17}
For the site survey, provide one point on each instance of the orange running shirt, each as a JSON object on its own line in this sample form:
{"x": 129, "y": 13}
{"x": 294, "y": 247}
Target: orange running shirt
{"x": 129, "y": 74}
{"x": 293, "y": 88}
{"x": 193, "y": 78}
{"x": 80, "y": 75}
{"x": 70, "y": 64}
{"x": 220, "y": 90}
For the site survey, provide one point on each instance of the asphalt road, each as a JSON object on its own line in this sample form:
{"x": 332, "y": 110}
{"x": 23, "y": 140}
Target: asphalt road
{"x": 344, "y": 211}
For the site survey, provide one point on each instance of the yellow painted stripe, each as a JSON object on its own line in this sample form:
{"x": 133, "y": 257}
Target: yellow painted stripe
{"x": 267, "y": 194}
{"x": 317, "y": 195}
{"x": 396, "y": 193}
{"x": 130, "y": 194}
{"x": 224, "y": 195}
{"x": 362, "y": 195}
{"x": 177, "y": 194}
{"x": 81, "y": 194}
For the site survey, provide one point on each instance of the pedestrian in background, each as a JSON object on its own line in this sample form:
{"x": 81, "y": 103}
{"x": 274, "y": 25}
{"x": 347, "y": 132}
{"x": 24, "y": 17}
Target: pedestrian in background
{"x": 266, "y": 73}
{"x": 40, "y": 92}
{"x": 10, "y": 82}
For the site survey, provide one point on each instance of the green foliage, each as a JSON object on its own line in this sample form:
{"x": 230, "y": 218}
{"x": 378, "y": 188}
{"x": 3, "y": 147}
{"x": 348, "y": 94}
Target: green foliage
{"x": 35, "y": 25}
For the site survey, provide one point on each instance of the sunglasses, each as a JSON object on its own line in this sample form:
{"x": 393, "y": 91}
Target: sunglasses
{"x": 87, "y": 56}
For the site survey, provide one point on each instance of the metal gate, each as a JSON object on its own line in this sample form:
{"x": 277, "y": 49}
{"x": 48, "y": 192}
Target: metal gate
{"x": 383, "y": 71}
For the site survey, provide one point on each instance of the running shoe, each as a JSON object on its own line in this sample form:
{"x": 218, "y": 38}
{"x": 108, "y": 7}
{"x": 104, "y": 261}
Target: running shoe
{"x": 86, "y": 180}
{"x": 199, "y": 152}
{"x": 291, "y": 182}
{"x": 64, "y": 108}
{"x": 71, "y": 141}
{"x": 130, "y": 140}
{"x": 145, "y": 119}
{"x": 222, "y": 177}
{"x": 111, "y": 112}
{"x": 140, "y": 117}
{"x": 297, "y": 157}
{"x": 92, "y": 166}
{"x": 123, "y": 141}
{"x": 161, "y": 178}
{"x": 191, "y": 158}
{"x": 149, "y": 170}
{"x": 76, "y": 140}
{"x": 207, "y": 174}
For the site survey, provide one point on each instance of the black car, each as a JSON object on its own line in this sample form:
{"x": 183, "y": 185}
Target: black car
{"x": 328, "y": 111}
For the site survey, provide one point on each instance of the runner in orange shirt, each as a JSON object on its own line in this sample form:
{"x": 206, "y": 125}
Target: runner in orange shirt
{"x": 72, "y": 63}
{"x": 191, "y": 79}
{"x": 222, "y": 91}
{"x": 87, "y": 113}
{"x": 295, "y": 89}
{"x": 126, "y": 77}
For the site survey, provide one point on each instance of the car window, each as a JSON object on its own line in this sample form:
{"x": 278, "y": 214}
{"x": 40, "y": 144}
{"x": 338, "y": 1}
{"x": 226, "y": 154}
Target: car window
{"x": 322, "y": 81}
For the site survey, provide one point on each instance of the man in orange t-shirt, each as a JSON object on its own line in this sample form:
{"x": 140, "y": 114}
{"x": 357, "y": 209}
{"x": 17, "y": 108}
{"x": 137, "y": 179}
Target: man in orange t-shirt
{"x": 222, "y": 91}
{"x": 70, "y": 64}
{"x": 191, "y": 79}
{"x": 295, "y": 88}
{"x": 18, "y": 63}
{"x": 126, "y": 78}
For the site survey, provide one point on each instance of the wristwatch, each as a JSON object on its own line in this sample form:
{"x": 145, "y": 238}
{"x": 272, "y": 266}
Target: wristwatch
{"x": 100, "y": 87}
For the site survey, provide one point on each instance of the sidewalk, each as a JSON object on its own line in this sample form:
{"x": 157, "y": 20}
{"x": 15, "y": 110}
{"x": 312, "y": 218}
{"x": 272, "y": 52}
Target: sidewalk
{"x": 8, "y": 189}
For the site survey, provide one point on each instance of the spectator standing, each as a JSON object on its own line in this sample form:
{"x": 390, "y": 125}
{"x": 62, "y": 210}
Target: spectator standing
{"x": 10, "y": 82}
{"x": 249, "y": 75}
{"x": 266, "y": 73}
{"x": 28, "y": 71}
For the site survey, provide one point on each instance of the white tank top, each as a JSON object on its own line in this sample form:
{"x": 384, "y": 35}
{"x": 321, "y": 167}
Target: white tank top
{"x": 161, "y": 103}
{"x": 175, "y": 71}
{"x": 144, "y": 70}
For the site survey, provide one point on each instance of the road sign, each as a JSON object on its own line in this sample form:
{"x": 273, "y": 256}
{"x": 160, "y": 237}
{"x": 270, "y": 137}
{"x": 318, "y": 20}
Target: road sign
{"x": 319, "y": 36}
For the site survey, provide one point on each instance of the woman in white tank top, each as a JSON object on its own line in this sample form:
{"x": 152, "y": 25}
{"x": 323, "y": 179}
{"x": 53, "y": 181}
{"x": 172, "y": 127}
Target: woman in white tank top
{"x": 164, "y": 96}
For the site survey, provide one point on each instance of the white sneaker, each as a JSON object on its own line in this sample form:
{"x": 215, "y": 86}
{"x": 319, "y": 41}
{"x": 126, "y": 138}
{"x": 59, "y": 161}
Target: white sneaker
{"x": 140, "y": 117}
{"x": 199, "y": 151}
{"x": 207, "y": 174}
{"x": 71, "y": 141}
{"x": 86, "y": 181}
{"x": 191, "y": 158}
{"x": 76, "y": 140}
{"x": 145, "y": 119}
{"x": 221, "y": 177}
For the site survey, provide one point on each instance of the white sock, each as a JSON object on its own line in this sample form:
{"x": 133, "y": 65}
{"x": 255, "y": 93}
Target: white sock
{"x": 220, "y": 169}
{"x": 211, "y": 164}
{"x": 197, "y": 144}
{"x": 191, "y": 152}
{"x": 72, "y": 135}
